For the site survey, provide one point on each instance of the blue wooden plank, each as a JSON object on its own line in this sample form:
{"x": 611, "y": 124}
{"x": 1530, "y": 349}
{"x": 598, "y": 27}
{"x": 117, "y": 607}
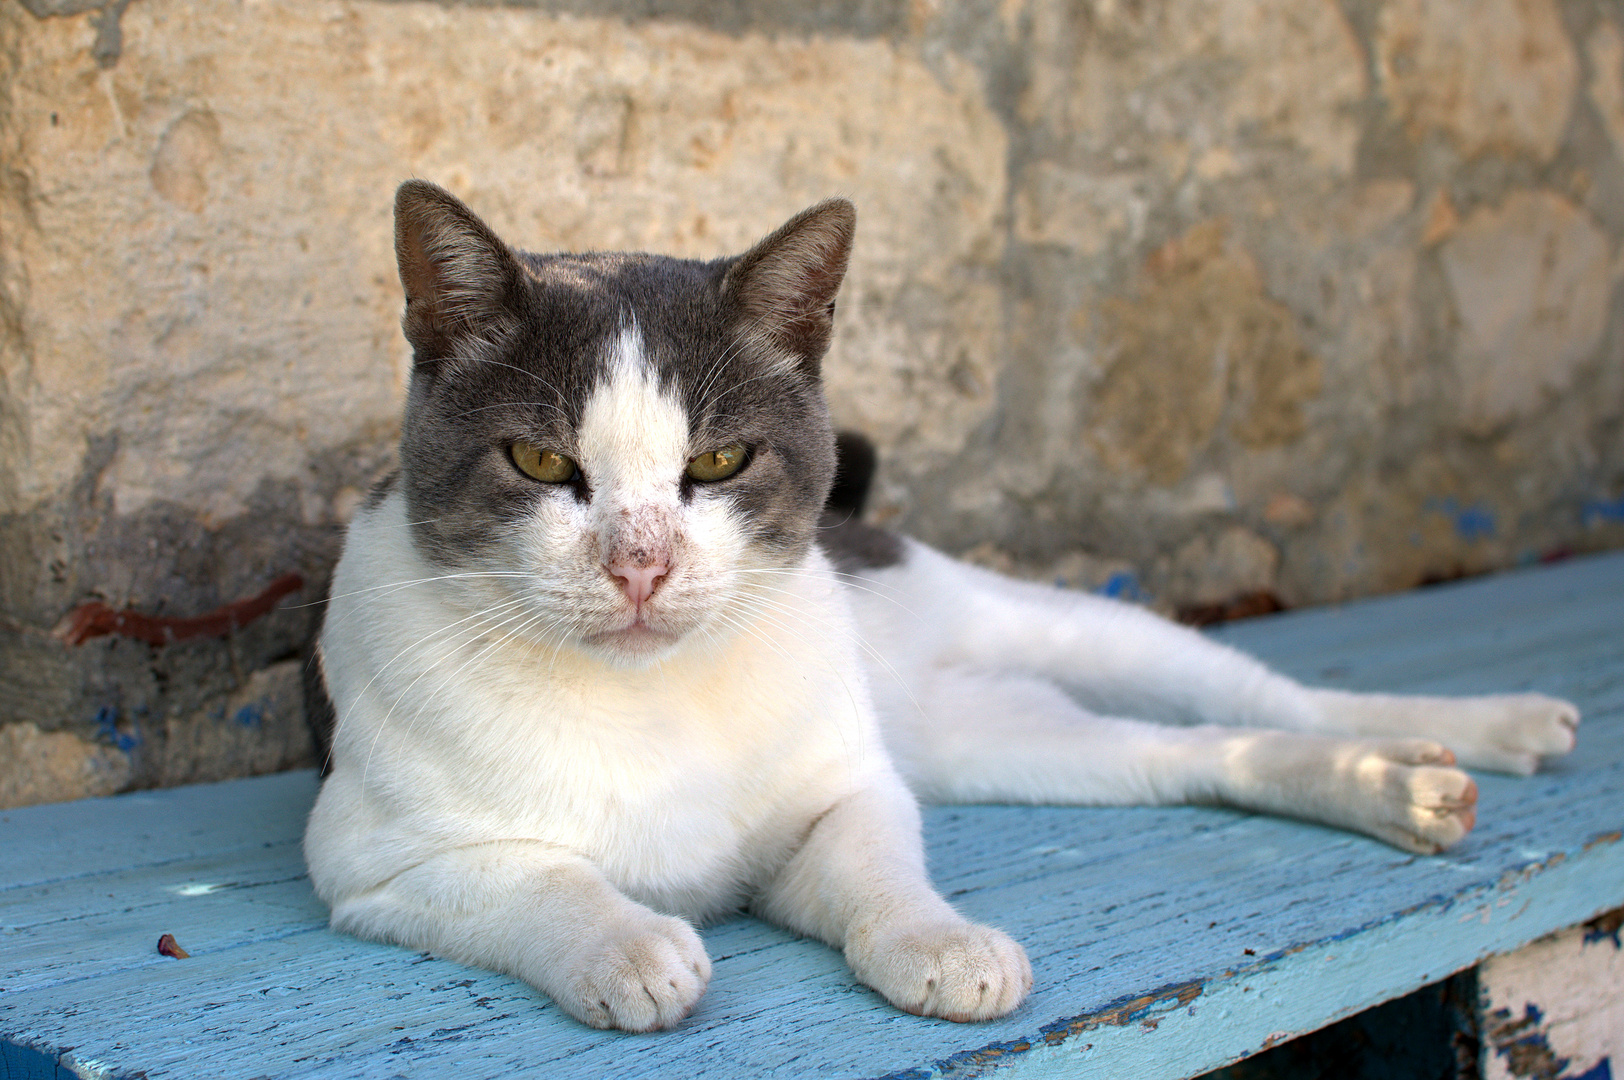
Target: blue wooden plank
{"x": 67, "y": 840}
{"x": 1165, "y": 941}
{"x": 1544, "y": 609}
{"x": 115, "y": 919}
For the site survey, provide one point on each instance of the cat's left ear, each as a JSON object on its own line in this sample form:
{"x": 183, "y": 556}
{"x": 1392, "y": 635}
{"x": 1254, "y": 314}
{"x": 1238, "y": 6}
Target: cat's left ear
{"x": 785, "y": 286}
{"x": 459, "y": 277}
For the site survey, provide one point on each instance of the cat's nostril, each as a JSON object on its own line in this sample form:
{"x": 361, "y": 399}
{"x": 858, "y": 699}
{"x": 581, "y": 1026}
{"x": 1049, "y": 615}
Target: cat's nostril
{"x": 639, "y": 582}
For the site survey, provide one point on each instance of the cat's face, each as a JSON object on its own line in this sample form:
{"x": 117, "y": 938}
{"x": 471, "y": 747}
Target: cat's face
{"x": 614, "y": 449}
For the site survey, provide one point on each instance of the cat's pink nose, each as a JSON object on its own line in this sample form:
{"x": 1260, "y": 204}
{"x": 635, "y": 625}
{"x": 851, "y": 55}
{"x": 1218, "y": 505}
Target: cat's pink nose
{"x": 639, "y": 582}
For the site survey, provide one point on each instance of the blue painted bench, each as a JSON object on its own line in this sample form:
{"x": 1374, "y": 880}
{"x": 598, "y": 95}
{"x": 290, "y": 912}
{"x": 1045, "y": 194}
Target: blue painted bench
{"x": 1165, "y": 942}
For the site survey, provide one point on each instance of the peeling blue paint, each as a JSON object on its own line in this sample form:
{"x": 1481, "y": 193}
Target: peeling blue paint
{"x": 1598, "y": 510}
{"x": 1605, "y": 928}
{"x": 1474, "y": 522}
{"x": 1602, "y": 1070}
{"x": 989, "y": 1055}
{"x": 1126, "y": 1010}
{"x": 1524, "y": 1043}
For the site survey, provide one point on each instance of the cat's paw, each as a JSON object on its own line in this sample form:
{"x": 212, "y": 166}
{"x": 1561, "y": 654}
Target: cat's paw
{"x": 956, "y": 970}
{"x": 1422, "y": 804}
{"x": 1510, "y": 733}
{"x": 642, "y": 974}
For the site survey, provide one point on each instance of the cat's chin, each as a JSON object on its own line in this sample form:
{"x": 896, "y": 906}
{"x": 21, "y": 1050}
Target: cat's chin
{"x": 634, "y": 645}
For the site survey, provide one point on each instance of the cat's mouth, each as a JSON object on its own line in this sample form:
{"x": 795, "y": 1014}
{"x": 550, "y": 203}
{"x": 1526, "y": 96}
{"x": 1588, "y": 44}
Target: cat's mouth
{"x": 635, "y": 641}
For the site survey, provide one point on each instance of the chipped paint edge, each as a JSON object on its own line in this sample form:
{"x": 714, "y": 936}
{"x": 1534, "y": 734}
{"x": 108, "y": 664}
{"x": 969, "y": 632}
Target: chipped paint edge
{"x": 1205, "y": 1024}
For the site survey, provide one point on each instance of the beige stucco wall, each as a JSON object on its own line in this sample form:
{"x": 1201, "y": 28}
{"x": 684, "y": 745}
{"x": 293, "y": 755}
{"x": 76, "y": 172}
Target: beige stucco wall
{"x": 1207, "y": 298}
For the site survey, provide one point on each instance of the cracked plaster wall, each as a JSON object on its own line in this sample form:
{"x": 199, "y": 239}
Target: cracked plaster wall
{"x": 1191, "y": 300}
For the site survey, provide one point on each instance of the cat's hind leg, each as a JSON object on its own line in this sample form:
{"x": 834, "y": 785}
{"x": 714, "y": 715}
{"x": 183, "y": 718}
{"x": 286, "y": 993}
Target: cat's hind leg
{"x": 978, "y": 737}
{"x": 547, "y": 916}
{"x": 1508, "y": 733}
{"x": 1118, "y": 659}
{"x": 858, "y": 882}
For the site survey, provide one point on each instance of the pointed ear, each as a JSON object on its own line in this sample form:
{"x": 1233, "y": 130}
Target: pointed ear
{"x": 460, "y": 279}
{"x": 784, "y": 287}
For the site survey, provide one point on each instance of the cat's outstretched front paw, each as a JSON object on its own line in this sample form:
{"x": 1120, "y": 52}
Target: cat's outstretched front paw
{"x": 1512, "y": 732}
{"x": 643, "y": 974}
{"x": 956, "y": 970}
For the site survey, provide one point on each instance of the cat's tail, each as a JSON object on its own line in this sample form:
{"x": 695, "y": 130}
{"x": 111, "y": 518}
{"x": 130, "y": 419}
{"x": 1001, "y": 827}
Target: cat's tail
{"x": 851, "y": 543}
{"x": 855, "y": 461}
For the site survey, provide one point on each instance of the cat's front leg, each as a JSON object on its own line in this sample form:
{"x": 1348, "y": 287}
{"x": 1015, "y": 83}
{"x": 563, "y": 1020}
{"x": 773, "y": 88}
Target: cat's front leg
{"x": 549, "y": 917}
{"x": 859, "y": 883}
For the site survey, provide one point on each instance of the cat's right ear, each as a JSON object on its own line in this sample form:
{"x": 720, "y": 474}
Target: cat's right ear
{"x": 784, "y": 288}
{"x": 460, "y": 279}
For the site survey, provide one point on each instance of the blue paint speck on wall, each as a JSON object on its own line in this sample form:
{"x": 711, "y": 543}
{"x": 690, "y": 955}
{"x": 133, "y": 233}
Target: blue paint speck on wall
{"x": 107, "y": 728}
{"x": 1599, "y": 510}
{"x": 1474, "y": 522}
{"x": 1122, "y": 585}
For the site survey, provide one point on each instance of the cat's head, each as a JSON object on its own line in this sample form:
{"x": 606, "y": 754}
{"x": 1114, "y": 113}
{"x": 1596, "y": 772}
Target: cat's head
{"x": 608, "y": 446}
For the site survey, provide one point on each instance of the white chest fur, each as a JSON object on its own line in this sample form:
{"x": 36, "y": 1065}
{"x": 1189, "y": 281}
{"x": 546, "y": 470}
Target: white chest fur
{"x": 686, "y": 781}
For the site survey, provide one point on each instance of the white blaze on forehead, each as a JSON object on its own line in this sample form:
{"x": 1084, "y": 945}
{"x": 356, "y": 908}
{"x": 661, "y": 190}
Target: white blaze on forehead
{"x": 633, "y": 436}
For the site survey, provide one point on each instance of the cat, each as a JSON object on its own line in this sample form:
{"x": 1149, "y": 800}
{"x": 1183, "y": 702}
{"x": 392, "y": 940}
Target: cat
{"x": 603, "y": 668}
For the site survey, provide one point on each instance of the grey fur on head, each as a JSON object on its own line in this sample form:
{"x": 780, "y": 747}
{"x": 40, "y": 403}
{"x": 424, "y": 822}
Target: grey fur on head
{"x": 509, "y": 345}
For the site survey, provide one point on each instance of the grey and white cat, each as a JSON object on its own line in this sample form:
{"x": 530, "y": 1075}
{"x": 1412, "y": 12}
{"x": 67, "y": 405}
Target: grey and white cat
{"x": 599, "y": 675}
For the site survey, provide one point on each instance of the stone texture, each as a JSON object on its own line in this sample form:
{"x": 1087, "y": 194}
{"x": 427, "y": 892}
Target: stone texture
{"x": 259, "y": 728}
{"x": 40, "y": 767}
{"x": 1606, "y": 86}
{"x": 641, "y": 135}
{"x": 1234, "y": 563}
{"x": 1202, "y": 324}
{"x": 1494, "y": 75}
{"x": 1532, "y": 281}
{"x": 1186, "y": 301}
{"x": 1177, "y": 82}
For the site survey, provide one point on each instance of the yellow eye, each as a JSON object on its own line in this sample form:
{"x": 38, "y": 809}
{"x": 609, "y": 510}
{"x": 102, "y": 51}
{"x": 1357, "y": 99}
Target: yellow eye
{"x": 548, "y": 466}
{"x": 717, "y": 464}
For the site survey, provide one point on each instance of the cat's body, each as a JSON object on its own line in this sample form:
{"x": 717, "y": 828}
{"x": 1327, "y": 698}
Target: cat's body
{"x": 596, "y": 677}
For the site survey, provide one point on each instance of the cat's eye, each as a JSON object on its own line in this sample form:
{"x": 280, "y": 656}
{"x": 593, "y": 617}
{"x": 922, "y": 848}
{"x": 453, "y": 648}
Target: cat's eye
{"x": 717, "y": 464}
{"x": 548, "y": 466}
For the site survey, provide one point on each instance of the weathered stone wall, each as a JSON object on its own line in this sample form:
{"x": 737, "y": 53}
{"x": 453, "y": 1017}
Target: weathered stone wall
{"x": 1196, "y": 300}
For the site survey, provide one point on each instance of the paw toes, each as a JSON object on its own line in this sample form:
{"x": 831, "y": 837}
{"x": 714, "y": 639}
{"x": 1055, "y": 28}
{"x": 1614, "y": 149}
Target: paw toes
{"x": 1417, "y": 752}
{"x": 1527, "y": 727}
{"x": 1442, "y": 789}
{"x": 960, "y": 972}
{"x": 642, "y": 979}
{"x": 1420, "y": 808}
{"x": 1442, "y": 807}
